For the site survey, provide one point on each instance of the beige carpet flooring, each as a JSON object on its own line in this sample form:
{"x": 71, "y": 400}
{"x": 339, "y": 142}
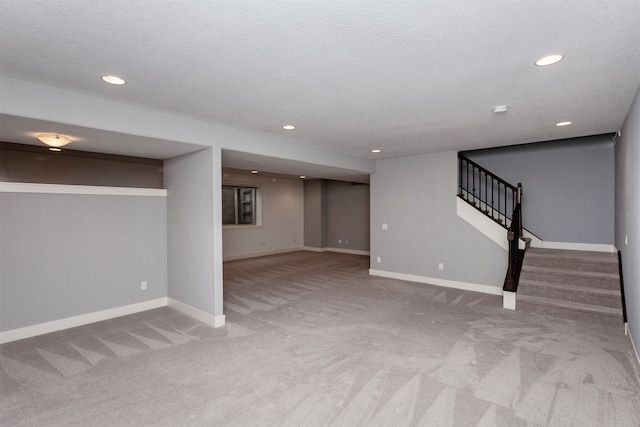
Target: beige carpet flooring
{"x": 312, "y": 340}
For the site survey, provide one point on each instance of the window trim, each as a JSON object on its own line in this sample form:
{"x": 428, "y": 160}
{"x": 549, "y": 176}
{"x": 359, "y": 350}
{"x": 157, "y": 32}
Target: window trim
{"x": 258, "y": 204}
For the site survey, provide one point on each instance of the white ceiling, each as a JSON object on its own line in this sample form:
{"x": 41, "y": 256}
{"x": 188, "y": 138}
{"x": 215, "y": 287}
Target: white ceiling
{"x": 406, "y": 77}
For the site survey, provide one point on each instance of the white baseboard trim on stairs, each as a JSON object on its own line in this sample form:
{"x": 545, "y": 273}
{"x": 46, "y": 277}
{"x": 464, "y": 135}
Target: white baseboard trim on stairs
{"x": 627, "y": 331}
{"x": 209, "y": 319}
{"x": 465, "y": 286}
{"x": 509, "y": 300}
{"x": 590, "y": 247}
{"x": 340, "y": 250}
{"x": 80, "y": 320}
{"x": 482, "y": 223}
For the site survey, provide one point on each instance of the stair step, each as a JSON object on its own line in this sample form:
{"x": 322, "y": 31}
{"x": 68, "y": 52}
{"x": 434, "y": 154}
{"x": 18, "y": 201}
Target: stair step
{"x": 601, "y": 262}
{"x": 570, "y": 277}
{"x": 576, "y": 293}
{"x": 580, "y": 312}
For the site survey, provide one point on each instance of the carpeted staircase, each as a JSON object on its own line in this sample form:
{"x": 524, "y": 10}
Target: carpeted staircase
{"x": 577, "y": 285}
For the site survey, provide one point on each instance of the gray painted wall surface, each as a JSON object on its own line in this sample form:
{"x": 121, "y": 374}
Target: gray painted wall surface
{"x": 347, "y": 216}
{"x": 64, "y": 255}
{"x": 315, "y": 216}
{"x": 191, "y": 247}
{"x": 628, "y": 213}
{"x": 281, "y": 211}
{"x": 416, "y": 197}
{"x": 569, "y": 186}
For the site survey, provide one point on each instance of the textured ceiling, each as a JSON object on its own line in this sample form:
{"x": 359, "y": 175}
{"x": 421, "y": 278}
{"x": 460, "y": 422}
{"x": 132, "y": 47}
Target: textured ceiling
{"x": 406, "y": 77}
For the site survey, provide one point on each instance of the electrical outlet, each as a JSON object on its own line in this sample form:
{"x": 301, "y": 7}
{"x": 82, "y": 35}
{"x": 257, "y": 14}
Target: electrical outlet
{"x": 346, "y": 242}
{"x": 440, "y": 266}
{"x": 385, "y": 226}
{"x": 340, "y": 241}
{"x": 379, "y": 259}
{"x": 143, "y": 286}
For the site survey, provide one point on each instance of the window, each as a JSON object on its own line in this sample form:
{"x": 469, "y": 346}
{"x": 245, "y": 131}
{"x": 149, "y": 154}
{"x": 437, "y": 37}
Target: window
{"x": 238, "y": 205}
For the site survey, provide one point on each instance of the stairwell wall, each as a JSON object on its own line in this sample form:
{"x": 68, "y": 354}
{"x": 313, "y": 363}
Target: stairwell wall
{"x": 569, "y": 186}
{"x": 627, "y": 223}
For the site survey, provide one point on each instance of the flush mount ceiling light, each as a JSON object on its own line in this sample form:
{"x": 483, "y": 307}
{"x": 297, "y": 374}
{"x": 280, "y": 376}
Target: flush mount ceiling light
{"x": 560, "y": 124}
{"x": 288, "y": 127}
{"x": 254, "y": 171}
{"x": 303, "y": 177}
{"x": 548, "y": 60}
{"x": 53, "y": 140}
{"x": 376, "y": 150}
{"x": 500, "y": 109}
{"x": 114, "y": 80}
{"x": 54, "y": 149}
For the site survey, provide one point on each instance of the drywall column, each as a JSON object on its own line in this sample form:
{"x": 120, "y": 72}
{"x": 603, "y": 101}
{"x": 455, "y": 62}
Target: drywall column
{"x": 627, "y": 225}
{"x": 315, "y": 214}
{"x": 194, "y": 225}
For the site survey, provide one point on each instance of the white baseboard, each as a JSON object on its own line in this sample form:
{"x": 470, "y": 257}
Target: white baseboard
{"x": 263, "y": 253}
{"x": 633, "y": 345}
{"x": 591, "y": 247}
{"x": 465, "y": 286}
{"x": 509, "y": 300}
{"x": 312, "y": 249}
{"x": 209, "y": 319}
{"x": 83, "y": 319}
{"x": 340, "y": 250}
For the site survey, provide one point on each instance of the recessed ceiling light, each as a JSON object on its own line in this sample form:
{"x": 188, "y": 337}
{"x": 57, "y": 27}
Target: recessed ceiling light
{"x": 254, "y": 171}
{"x": 376, "y": 150}
{"x": 288, "y": 127}
{"x": 500, "y": 109}
{"x": 563, "y": 124}
{"x": 55, "y": 149}
{"x": 303, "y": 177}
{"x": 548, "y": 60}
{"x": 114, "y": 80}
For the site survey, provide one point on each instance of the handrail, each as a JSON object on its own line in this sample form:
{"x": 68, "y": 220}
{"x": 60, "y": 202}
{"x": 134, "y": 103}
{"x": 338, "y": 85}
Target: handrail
{"x": 480, "y": 188}
{"x": 486, "y": 191}
{"x": 468, "y": 160}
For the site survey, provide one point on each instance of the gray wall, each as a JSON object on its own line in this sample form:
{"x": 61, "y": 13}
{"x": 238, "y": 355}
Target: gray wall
{"x": 416, "y": 197}
{"x": 568, "y": 186}
{"x": 336, "y": 211}
{"x": 315, "y": 213}
{"x": 194, "y": 189}
{"x": 63, "y": 255}
{"x": 348, "y": 216}
{"x": 281, "y": 214}
{"x": 628, "y": 212}
{"x": 28, "y": 163}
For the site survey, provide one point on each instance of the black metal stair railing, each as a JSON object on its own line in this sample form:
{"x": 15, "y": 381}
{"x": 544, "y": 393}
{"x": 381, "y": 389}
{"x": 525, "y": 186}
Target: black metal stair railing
{"x": 486, "y": 191}
{"x": 498, "y": 200}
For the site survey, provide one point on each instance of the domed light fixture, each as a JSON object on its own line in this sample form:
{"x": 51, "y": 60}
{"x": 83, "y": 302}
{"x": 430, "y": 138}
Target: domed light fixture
{"x": 53, "y": 140}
